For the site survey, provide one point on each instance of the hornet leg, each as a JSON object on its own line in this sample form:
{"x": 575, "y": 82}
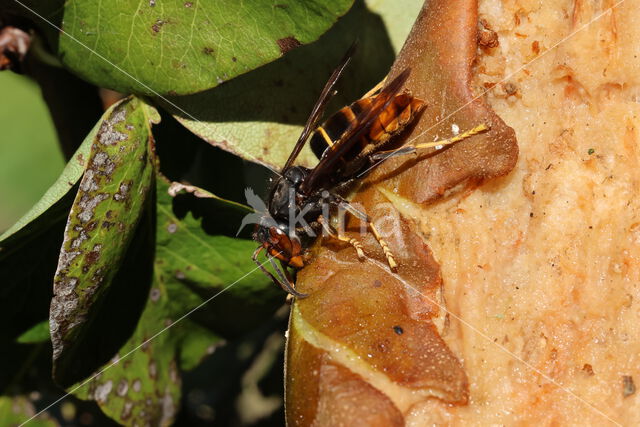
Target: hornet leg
{"x": 285, "y": 284}
{"x": 365, "y": 218}
{"x": 377, "y": 88}
{"x": 336, "y": 235}
{"x": 412, "y": 149}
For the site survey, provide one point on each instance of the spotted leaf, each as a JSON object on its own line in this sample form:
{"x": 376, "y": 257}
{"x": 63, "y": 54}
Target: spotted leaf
{"x": 108, "y": 206}
{"x": 262, "y": 123}
{"x": 185, "y": 46}
{"x": 141, "y": 384}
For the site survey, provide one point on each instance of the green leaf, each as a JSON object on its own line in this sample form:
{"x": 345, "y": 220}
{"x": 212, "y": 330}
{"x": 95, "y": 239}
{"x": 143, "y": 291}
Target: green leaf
{"x": 144, "y": 387}
{"x": 260, "y": 115}
{"x": 178, "y": 188}
{"x": 101, "y": 224}
{"x": 65, "y": 182}
{"x": 25, "y": 146}
{"x": 16, "y": 410}
{"x": 208, "y": 263}
{"x": 191, "y": 267}
{"x": 181, "y": 47}
{"x": 74, "y": 104}
{"x": 38, "y": 333}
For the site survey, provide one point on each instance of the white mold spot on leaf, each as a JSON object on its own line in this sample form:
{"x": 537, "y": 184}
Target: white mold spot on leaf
{"x": 126, "y": 410}
{"x": 66, "y": 257}
{"x": 102, "y": 392}
{"x": 88, "y": 182}
{"x": 122, "y": 192}
{"x": 100, "y": 159}
{"x": 123, "y": 387}
{"x": 168, "y": 408}
{"x": 77, "y": 242}
{"x": 153, "y": 370}
{"x": 154, "y": 294}
{"x": 88, "y": 205}
{"x": 108, "y": 135}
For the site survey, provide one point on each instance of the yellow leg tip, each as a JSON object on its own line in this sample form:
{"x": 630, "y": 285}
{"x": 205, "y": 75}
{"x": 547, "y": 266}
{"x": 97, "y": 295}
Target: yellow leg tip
{"x": 392, "y": 263}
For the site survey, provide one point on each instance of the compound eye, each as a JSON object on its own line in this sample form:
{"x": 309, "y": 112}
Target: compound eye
{"x": 275, "y": 234}
{"x": 280, "y": 240}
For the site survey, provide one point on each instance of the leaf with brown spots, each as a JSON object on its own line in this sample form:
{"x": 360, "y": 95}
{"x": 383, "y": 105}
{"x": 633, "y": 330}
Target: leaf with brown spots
{"x": 112, "y": 195}
{"x": 183, "y": 47}
{"x": 191, "y": 267}
{"x": 365, "y": 330}
{"x": 263, "y": 123}
{"x": 288, "y": 43}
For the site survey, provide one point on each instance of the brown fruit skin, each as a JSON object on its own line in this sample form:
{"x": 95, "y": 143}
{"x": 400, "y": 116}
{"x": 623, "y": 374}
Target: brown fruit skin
{"x": 441, "y": 51}
{"x": 333, "y": 395}
{"x": 366, "y": 346}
